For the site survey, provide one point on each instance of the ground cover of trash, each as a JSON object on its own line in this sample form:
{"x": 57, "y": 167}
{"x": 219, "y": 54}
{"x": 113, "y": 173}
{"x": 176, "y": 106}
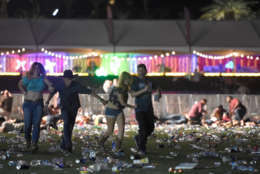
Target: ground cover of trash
{"x": 171, "y": 149}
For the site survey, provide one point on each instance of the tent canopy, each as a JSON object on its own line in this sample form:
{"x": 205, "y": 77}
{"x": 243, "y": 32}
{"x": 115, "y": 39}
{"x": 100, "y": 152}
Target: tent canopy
{"x": 129, "y": 35}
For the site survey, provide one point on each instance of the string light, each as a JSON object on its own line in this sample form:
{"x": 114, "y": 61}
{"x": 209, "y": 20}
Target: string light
{"x": 233, "y": 54}
{"x": 139, "y": 58}
{"x": 12, "y": 52}
{"x": 84, "y": 56}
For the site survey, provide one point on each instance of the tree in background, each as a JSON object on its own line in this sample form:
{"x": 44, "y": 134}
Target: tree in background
{"x": 33, "y": 12}
{"x": 3, "y": 8}
{"x": 229, "y": 10}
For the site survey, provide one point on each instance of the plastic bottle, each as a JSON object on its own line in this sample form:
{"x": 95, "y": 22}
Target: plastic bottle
{"x": 22, "y": 165}
{"x": 115, "y": 169}
{"x": 12, "y": 163}
{"x": 35, "y": 163}
{"x": 113, "y": 146}
{"x": 245, "y": 168}
{"x": 92, "y": 155}
{"x": 141, "y": 161}
{"x": 3, "y": 157}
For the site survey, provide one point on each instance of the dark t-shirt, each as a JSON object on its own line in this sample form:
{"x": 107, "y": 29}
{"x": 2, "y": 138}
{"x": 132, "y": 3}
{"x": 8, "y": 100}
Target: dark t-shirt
{"x": 69, "y": 98}
{"x": 143, "y": 102}
{"x": 113, "y": 97}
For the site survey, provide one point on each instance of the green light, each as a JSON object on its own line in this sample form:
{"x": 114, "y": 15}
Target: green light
{"x": 101, "y": 72}
{"x": 114, "y": 64}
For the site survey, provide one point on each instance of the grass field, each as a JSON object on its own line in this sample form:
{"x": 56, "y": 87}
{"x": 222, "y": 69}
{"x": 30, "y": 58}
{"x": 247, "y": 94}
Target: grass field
{"x": 167, "y": 147}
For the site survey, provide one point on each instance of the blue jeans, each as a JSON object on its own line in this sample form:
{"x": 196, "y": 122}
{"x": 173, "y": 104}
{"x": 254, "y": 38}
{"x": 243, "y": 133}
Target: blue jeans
{"x": 32, "y": 117}
{"x": 68, "y": 116}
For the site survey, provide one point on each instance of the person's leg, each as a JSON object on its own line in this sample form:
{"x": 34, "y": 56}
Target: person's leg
{"x": 149, "y": 123}
{"x": 243, "y": 113}
{"x": 66, "y": 124}
{"x": 36, "y": 120}
{"x": 149, "y": 128}
{"x": 72, "y": 118}
{"x": 110, "y": 129}
{"x": 27, "y": 110}
{"x": 121, "y": 130}
{"x": 239, "y": 114}
{"x": 141, "y": 137}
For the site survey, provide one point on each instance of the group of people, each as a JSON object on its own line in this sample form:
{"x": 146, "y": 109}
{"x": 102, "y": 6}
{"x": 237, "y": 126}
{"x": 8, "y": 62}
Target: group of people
{"x": 35, "y": 82}
{"x": 235, "y": 114}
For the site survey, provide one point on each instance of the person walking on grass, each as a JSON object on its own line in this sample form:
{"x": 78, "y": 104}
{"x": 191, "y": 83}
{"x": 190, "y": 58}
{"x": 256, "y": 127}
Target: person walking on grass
{"x": 114, "y": 110}
{"x": 142, "y": 91}
{"x": 69, "y": 91}
{"x": 32, "y": 86}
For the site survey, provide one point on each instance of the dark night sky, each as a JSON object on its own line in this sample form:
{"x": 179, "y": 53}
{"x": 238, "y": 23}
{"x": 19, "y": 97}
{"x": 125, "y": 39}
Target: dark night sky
{"x": 168, "y": 9}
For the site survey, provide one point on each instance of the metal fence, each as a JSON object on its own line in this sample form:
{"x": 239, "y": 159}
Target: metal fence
{"x": 169, "y": 103}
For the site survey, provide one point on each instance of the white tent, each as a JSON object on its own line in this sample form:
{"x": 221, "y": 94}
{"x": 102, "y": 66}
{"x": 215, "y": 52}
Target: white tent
{"x": 129, "y": 35}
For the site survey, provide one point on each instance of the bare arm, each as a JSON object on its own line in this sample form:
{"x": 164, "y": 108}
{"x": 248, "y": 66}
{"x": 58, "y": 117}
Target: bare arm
{"x": 103, "y": 101}
{"x": 50, "y": 97}
{"x": 137, "y": 93}
{"x": 49, "y": 84}
{"x": 21, "y": 87}
{"x": 123, "y": 103}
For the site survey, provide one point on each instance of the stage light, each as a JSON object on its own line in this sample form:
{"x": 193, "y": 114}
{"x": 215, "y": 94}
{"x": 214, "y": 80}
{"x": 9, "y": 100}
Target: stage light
{"x": 20, "y": 64}
{"x": 101, "y": 72}
{"x": 49, "y": 66}
{"x": 55, "y": 12}
{"x": 235, "y": 54}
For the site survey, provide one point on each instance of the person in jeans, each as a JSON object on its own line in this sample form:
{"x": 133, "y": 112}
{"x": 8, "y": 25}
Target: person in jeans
{"x": 69, "y": 91}
{"x": 32, "y": 86}
{"x": 142, "y": 91}
{"x": 114, "y": 110}
{"x": 237, "y": 110}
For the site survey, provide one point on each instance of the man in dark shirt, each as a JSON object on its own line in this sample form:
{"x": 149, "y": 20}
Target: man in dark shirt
{"x": 69, "y": 103}
{"x": 237, "y": 110}
{"x": 142, "y": 91}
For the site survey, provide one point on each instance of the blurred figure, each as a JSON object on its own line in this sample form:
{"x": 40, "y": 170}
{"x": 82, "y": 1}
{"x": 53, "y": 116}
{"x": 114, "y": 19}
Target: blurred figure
{"x": 237, "y": 111}
{"x": 197, "y": 113}
{"x": 218, "y": 116}
{"x": 107, "y": 86}
{"x": 11, "y": 125}
{"x": 32, "y": 86}
{"x": 218, "y": 113}
{"x": 51, "y": 119}
{"x": 91, "y": 69}
{"x": 6, "y": 101}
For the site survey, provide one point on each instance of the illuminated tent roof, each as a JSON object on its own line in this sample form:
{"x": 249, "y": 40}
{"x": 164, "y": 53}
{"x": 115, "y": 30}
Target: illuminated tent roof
{"x": 225, "y": 35}
{"x": 147, "y": 35}
{"x": 129, "y": 35}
